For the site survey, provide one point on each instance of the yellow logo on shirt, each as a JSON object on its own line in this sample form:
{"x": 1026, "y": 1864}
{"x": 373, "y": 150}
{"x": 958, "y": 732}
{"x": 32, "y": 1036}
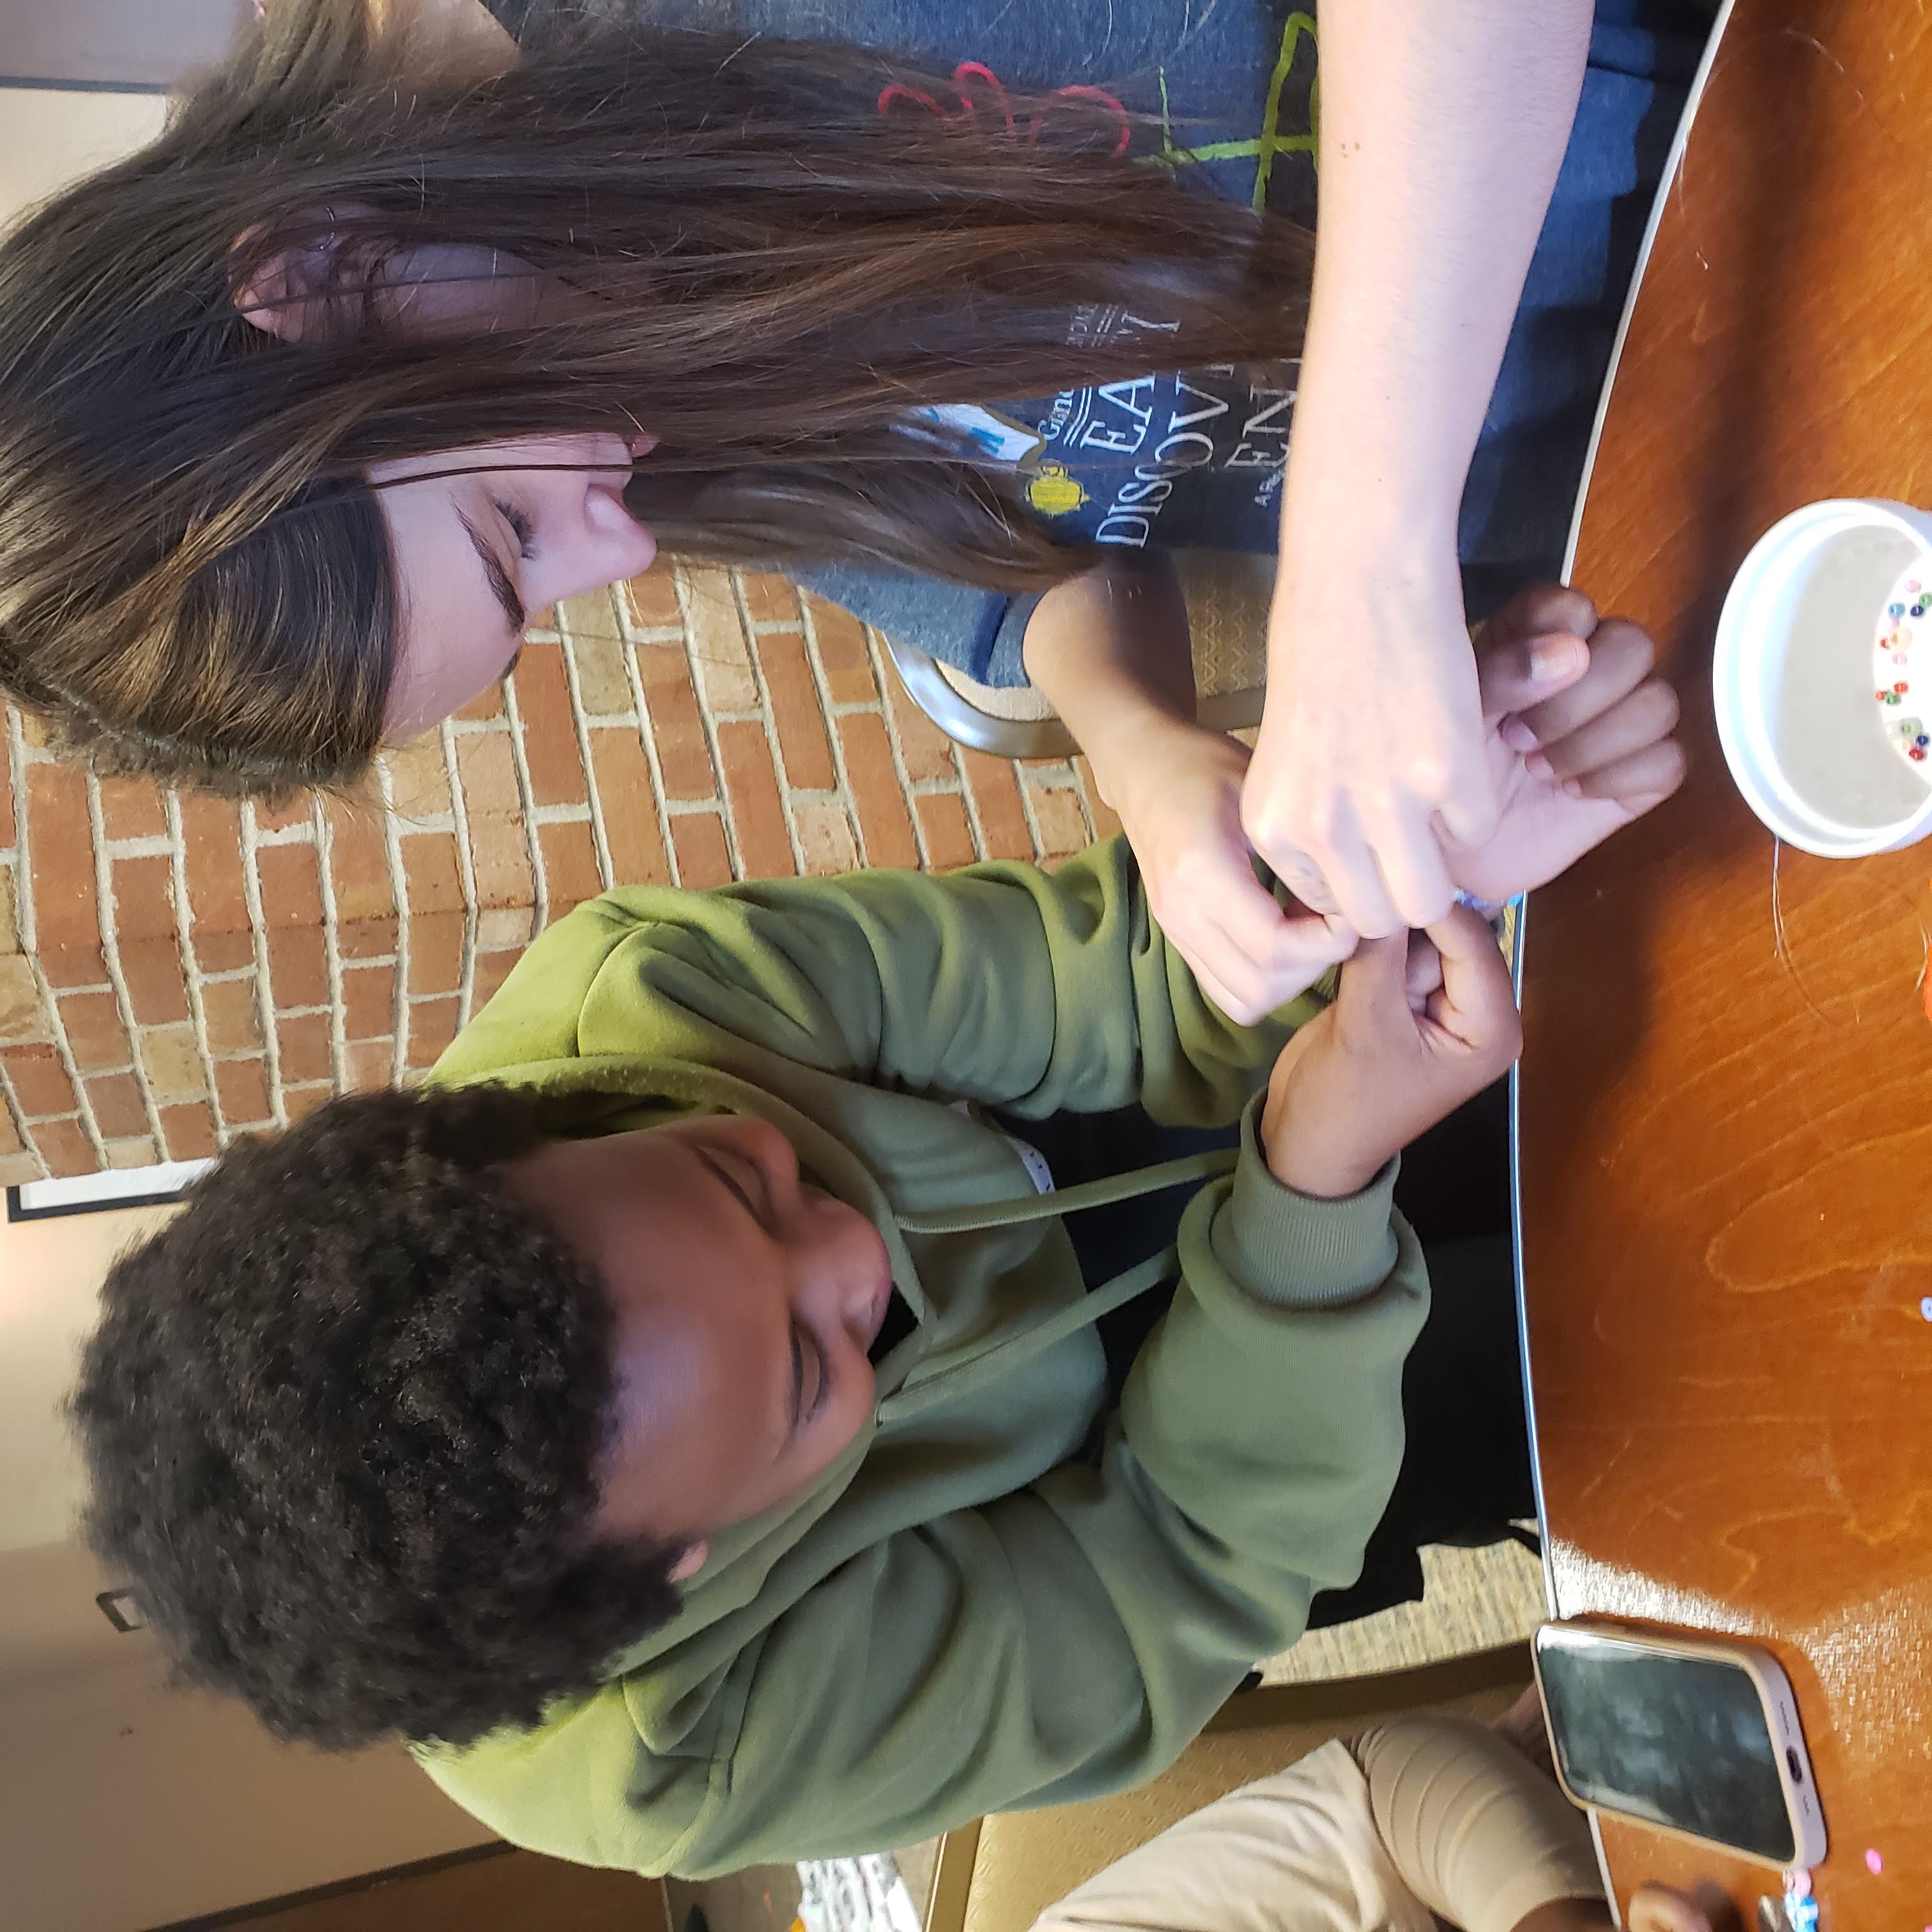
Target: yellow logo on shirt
{"x": 1053, "y": 492}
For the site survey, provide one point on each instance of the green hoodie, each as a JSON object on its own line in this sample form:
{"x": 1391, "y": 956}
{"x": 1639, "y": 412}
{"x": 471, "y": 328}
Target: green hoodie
{"x": 1005, "y": 1592}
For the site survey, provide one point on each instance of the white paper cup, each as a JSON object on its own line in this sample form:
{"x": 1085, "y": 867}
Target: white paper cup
{"x": 1803, "y": 730}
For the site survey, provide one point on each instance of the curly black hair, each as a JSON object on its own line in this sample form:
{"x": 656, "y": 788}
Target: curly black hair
{"x": 341, "y": 1417}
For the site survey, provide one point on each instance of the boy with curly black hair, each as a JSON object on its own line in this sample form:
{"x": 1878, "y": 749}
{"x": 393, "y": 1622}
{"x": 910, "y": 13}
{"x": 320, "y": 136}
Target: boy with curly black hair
{"x": 363, "y": 1290}
{"x": 688, "y": 1423}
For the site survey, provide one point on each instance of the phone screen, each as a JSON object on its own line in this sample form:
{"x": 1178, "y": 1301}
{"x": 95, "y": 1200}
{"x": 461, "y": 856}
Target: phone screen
{"x": 1681, "y": 1741}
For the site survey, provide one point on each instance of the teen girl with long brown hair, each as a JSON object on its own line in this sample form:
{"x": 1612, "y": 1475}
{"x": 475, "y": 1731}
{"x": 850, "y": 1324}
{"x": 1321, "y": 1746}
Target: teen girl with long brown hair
{"x": 416, "y": 321}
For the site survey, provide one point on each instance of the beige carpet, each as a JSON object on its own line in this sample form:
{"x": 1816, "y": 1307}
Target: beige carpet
{"x": 1477, "y": 1598}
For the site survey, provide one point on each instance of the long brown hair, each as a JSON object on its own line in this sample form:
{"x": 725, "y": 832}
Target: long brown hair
{"x": 195, "y": 579}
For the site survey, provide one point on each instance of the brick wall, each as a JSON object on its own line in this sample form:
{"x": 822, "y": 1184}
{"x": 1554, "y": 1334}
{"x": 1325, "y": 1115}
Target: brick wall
{"x": 175, "y": 970}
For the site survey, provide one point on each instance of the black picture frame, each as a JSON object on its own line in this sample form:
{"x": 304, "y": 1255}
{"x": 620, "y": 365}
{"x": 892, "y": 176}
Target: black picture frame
{"x": 18, "y": 1210}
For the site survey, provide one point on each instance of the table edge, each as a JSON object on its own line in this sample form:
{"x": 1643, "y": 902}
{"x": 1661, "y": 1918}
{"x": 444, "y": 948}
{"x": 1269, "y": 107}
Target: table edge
{"x": 1673, "y": 163}
{"x": 1672, "y": 168}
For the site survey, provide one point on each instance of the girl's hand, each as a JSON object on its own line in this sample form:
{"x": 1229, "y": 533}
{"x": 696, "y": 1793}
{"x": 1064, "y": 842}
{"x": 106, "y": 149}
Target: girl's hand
{"x": 1373, "y": 737}
{"x": 1420, "y": 1024}
{"x": 1179, "y": 801}
{"x": 1577, "y": 735}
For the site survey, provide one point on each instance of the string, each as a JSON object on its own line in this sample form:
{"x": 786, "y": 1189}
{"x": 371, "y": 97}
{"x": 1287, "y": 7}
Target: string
{"x": 1779, "y": 943}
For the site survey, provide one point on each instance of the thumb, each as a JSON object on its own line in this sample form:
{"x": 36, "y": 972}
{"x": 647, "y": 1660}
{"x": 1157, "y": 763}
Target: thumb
{"x": 1477, "y": 1001}
{"x": 1658, "y": 1908}
{"x": 1524, "y": 671}
{"x": 1312, "y": 941}
{"x": 1374, "y": 981}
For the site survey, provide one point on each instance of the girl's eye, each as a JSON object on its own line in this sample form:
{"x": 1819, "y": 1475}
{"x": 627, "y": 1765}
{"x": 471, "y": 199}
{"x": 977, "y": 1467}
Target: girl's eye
{"x": 519, "y": 528}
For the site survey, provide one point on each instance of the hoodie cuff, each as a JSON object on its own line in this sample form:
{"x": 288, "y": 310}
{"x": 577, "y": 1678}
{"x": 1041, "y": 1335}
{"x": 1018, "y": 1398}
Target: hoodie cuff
{"x": 1293, "y": 1249}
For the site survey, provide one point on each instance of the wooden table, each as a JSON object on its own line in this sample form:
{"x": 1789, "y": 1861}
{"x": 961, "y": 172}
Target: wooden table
{"x": 1726, "y": 1097}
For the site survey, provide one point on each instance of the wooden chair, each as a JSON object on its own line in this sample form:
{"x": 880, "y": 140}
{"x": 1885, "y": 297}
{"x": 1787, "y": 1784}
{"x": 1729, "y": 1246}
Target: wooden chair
{"x": 1227, "y": 594}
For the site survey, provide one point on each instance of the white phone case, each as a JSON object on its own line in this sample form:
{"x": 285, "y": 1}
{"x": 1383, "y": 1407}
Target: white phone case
{"x": 1780, "y": 1708}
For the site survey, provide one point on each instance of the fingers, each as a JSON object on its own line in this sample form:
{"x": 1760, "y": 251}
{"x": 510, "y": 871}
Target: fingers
{"x": 1524, "y": 672}
{"x": 1373, "y": 987}
{"x": 1644, "y": 779}
{"x": 1422, "y": 978}
{"x": 1646, "y": 717}
{"x": 1477, "y": 1004}
{"x": 1537, "y": 610}
{"x": 1533, "y": 647}
{"x": 1303, "y": 877}
{"x": 1348, "y": 868}
{"x": 1248, "y": 955}
{"x": 1622, "y": 657}
{"x": 1657, "y": 1908}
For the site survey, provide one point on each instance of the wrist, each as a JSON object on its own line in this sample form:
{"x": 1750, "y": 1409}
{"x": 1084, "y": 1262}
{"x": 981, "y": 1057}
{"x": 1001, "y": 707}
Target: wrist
{"x": 1365, "y": 556}
{"x": 1365, "y": 499}
{"x": 1310, "y": 1163}
{"x": 1307, "y": 1171}
{"x": 1135, "y": 758}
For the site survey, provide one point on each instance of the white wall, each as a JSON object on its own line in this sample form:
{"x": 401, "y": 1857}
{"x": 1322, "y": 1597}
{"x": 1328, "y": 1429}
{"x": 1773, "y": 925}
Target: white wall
{"x": 49, "y": 136}
{"x": 125, "y": 1804}
{"x": 154, "y": 42}
{"x": 50, "y": 1272}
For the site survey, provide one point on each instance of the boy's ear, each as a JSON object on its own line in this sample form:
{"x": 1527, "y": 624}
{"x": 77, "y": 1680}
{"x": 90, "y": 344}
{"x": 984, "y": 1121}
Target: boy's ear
{"x": 688, "y": 1564}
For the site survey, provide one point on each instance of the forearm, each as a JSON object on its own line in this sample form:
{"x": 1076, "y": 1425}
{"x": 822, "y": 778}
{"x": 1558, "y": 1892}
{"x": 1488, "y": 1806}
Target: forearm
{"x": 1109, "y": 651}
{"x": 1438, "y": 152}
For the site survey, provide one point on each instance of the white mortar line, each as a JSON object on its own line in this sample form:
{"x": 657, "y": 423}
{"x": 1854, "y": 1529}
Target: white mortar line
{"x": 566, "y": 649}
{"x": 117, "y": 976}
{"x": 520, "y": 764}
{"x": 197, "y": 1013}
{"x": 466, "y": 873}
{"x": 265, "y": 985}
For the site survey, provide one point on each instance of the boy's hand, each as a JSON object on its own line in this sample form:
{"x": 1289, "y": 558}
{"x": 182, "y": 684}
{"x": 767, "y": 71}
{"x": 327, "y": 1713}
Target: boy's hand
{"x": 1578, "y": 740}
{"x": 1420, "y": 1024}
{"x": 1657, "y": 1908}
{"x": 1179, "y": 803}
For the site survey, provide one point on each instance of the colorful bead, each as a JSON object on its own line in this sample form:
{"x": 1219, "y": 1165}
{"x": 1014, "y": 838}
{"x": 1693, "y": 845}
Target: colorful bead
{"x": 1909, "y": 602}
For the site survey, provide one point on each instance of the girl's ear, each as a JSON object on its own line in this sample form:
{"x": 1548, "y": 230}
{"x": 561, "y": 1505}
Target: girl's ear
{"x": 290, "y": 296}
{"x": 688, "y": 1564}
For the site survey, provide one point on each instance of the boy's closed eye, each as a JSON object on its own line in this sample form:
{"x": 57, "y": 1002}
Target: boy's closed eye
{"x": 741, "y": 1183}
{"x": 809, "y": 1375}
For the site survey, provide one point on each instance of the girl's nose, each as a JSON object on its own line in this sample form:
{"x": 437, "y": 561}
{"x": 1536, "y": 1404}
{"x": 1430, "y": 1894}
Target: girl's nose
{"x": 623, "y": 547}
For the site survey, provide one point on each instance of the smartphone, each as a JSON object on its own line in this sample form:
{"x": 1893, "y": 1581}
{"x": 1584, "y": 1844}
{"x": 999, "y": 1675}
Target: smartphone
{"x": 1697, "y": 1737}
